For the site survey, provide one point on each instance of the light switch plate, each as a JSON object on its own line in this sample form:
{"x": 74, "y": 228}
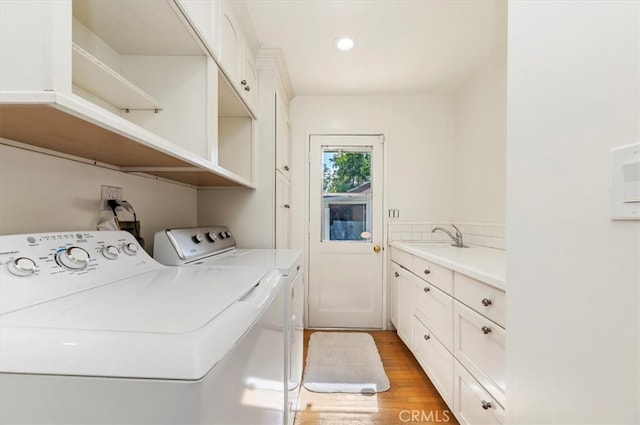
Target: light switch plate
{"x": 625, "y": 182}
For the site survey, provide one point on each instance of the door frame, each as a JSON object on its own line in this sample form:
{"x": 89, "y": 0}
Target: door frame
{"x": 385, "y": 217}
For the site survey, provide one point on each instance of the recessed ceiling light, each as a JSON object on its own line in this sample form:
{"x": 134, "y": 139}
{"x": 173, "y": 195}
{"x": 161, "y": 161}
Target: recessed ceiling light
{"x": 344, "y": 43}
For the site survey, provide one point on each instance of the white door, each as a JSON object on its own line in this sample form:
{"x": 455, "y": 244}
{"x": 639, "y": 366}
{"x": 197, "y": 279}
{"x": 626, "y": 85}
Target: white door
{"x": 346, "y": 231}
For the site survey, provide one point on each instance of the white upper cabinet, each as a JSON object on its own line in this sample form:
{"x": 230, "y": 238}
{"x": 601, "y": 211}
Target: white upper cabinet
{"x": 132, "y": 84}
{"x": 236, "y": 56}
{"x": 230, "y": 43}
{"x": 203, "y": 16}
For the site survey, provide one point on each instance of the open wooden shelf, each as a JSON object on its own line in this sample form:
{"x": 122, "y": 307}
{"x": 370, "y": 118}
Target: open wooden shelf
{"x": 47, "y": 126}
{"x": 92, "y": 75}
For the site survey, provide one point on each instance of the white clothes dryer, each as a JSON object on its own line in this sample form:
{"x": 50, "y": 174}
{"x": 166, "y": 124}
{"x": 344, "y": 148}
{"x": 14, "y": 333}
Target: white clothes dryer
{"x": 215, "y": 246}
{"x": 93, "y": 330}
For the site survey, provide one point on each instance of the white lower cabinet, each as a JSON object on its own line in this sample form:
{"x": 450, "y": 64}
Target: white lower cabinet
{"x": 457, "y": 334}
{"x": 435, "y": 359}
{"x": 472, "y": 404}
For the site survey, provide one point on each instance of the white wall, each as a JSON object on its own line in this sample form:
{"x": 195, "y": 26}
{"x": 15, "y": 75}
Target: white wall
{"x": 480, "y": 144}
{"x": 573, "y": 275}
{"x": 41, "y": 193}
{"x": 419, "y": 132}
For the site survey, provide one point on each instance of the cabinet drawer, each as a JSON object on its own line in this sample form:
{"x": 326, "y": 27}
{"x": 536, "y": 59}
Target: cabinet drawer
{"x": 402, "y": 258}
{"x": 485, "y": 299}
{"x": 472, "y": 405}
{"x": 435, "y": 309}
{"x": 479, "y": 346}
{"x": 439, "y": 276}
{"x": 436, "y": 361}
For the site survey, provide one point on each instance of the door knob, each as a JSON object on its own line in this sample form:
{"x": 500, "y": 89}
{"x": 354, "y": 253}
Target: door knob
{"x": 376, "y": 248}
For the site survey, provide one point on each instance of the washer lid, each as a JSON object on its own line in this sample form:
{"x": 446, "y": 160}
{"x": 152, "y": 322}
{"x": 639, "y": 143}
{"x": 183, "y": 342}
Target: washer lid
{"x": 160, "y": 324}
{"x": 286, "y": 261}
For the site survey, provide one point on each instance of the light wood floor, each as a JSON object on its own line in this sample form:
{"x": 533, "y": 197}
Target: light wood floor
{"x": 412, "y": 398}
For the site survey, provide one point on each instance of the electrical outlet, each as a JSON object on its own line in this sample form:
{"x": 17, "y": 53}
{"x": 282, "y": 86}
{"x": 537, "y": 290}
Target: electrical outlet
{"x": 110, "y": 192}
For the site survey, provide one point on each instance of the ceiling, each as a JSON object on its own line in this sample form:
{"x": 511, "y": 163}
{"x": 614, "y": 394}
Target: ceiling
{"x": 402, "y": 46}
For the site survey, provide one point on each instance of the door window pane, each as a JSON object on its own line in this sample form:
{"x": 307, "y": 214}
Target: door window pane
{"x": 346, "y": 194}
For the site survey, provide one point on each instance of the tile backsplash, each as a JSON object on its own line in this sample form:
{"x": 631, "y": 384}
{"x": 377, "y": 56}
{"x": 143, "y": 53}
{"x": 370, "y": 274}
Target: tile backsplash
{"x": 490, "y": 235}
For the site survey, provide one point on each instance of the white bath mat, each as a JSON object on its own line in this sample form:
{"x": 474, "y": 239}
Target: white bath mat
{"x": 344, "y": 362}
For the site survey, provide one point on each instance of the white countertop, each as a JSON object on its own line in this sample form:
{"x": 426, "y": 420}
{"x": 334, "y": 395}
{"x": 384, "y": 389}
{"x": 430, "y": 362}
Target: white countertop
{"x": 484, "y": 264}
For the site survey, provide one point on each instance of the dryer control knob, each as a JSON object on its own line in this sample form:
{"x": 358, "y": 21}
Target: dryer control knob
{"x": 110, "y": 252}
{"x": 22, "y": 266}
{"x": 197, "y": 238}
{"x": 130, "y": 249}
{"x": 73, "y": 258}
{"x": 212, "y": 236}
{"x": 227, "y": 234}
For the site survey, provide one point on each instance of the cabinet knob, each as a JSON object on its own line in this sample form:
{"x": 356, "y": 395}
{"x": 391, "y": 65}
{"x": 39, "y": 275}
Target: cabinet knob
{"x": 247, "y": 88}
{"x": 287, "y": 206}
{"x": 243, "y": 82}
{"x": 286, "y": 168}
{"x": 427, "y": 271}
{"x": 486, "y": 404}
{"x": 486, "y": 302}
{"x": 486, "y": 330}
{"x": 427, "y": 337}
{"x": 427, "y": 289}
{"x": 396, "y": 274}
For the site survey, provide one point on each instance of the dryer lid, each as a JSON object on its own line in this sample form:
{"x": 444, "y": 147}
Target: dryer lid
{"x": 286, "y": 261}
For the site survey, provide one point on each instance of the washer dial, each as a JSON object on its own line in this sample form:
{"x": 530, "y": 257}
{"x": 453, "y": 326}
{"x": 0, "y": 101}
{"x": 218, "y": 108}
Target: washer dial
{"x": 73, "y": 258}
{"x": 130, "y": 249}
{"x": 110, "y": 252}
{"x": 22, "y": 266}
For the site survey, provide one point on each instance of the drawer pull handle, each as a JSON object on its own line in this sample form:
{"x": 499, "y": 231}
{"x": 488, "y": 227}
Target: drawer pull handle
{"x": 396, "y": 274}
{"x": 486, "y": 330}
{"x": 427, "y": 271}
{"x": 486, "y": 302}
{"x": 427, "y": 289}
{"x": 486, "y": 405}
{"x": 427, "y": 337}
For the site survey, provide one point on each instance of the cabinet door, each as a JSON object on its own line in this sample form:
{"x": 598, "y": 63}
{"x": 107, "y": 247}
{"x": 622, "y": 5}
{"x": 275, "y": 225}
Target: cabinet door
{"x": 472, "y": 405}
{"x": 282, "y": 136}
{"x": 202, "y": 15}
{"x": 230, "y": 44}
{"x": 394, "y": 293}
{"x": 249, "y": 79}
{"x": 283, "y": 212}
{"x": 406, "y": 308}
{"x": 479, "y": 345}
{"x": 435, "y": 359}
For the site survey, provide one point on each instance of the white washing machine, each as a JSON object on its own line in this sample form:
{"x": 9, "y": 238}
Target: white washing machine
{"x": 93, "y": 330}
{"x": 215, "y": 246}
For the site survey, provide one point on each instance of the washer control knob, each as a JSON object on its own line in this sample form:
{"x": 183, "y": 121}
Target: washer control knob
{"x": 212, "y": 236}
{"x": 223, "y": 235}
{"x": 73, "y": 258}
{"x": 22, "y": 266}
{"x": 197, "y": 238}
{"x": 130, "y": 249}
{"x": 228, "y": 234}
{"x": 110, "y": 252}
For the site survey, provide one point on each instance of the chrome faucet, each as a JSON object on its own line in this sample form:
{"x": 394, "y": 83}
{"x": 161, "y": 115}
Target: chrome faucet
{"x": 457, "y": 239}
